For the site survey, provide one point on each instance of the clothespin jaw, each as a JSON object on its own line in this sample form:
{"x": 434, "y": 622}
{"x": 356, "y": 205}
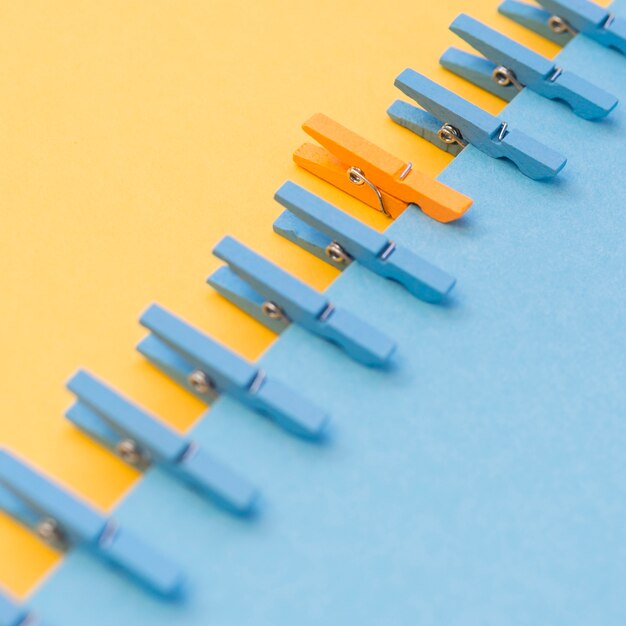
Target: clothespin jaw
{"x": 511, "y": 67}
{"x": 560, "y": 20}
{"x": 338, "y": 238}
{"x": 374, "y": 176}
{"x": 463, "y": 123}
{"x": 141, "y": 440}
{"x": 297, "y": 231}
{"x": 288, "y": 298}
{"x": 536, "y": 19}
{"x": 208, "y": 369}
{"x": 426, "y": 126}
{"x": 478, "y": 71}
{"x": 64, "y": 521}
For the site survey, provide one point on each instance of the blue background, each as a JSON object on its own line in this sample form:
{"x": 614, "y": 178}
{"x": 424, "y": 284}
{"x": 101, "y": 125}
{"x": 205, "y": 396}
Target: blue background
{"x": 478, "y": 482}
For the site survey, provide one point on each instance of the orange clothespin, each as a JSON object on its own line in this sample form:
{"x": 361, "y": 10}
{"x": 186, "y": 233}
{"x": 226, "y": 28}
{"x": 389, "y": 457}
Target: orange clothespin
{"x": 374, "y": 176}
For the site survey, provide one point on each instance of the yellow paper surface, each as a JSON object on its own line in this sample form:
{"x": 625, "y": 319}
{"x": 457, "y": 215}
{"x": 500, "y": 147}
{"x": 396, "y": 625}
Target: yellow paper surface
{"x": 134, "y": 135}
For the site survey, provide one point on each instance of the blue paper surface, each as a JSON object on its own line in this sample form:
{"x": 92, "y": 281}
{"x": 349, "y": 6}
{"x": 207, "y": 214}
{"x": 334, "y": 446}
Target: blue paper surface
{"x": 482, "y": 480}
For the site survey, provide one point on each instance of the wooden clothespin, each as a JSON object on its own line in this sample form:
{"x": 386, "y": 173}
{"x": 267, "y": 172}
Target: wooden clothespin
{"x": 335, "y": 237}
{"x": 64, "y": 521}
{"x": 270, "y": 294}
{"x": 143, "y": 441}
{"x": 510, "y": 67}
{"x": 451, "y": 123}
{"x": 209, "y": 370}
{"x": 367, "y": 172}
{"x": 560, "y": 20}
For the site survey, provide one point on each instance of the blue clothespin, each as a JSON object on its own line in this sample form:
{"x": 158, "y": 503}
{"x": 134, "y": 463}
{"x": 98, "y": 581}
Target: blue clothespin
{"x": 281, "y": 297}
{"x": 63, "y": 521}
{"x": 14, "y": 614}
{"x": 451, "y": 123}
{"x": 337, "y": 238}
{"x": 208, "y": 369}
{"x": 509, "y": 67}
{"x": 141, "y": 440}
{"x": 560, "y": 20}
{"x": 535, "y": 19}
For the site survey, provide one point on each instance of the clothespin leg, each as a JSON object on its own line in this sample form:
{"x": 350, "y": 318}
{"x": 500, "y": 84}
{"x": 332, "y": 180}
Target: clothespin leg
{"x": 125, "y": 549}
{"x": 424, "y": 280}
{"x": 586, "y": 100}
{"x": 172, "y": 365}
{"x": 290, "y": 410}
{"x": 218, "y": 481}
{"x": 358, "y": 339}
{"x": 533, "y": 159}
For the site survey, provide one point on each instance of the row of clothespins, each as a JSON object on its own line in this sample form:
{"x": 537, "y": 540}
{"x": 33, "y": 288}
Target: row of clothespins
{"x": 278, "y": 299}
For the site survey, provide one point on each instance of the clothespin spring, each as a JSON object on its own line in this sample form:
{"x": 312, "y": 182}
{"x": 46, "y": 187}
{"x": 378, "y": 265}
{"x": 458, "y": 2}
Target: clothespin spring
{"x": 201, "y": 383}
{"x": 50, "y": 532}
{"x": 504, "y": 130}
{"x": 450, "y": 134}
{"x": 336, "y": 253}
{"x": 133, "y": 454}
{"x": 386, "y": 253}
{"x": 357, "y": 176}
{"x": 560, "y": 26}
{"x": 273, "y": 311}
{"x": 504, "y": 77}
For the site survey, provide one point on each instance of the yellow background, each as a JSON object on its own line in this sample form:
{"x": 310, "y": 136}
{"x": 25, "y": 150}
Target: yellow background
{"x": 134, "y": 135}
